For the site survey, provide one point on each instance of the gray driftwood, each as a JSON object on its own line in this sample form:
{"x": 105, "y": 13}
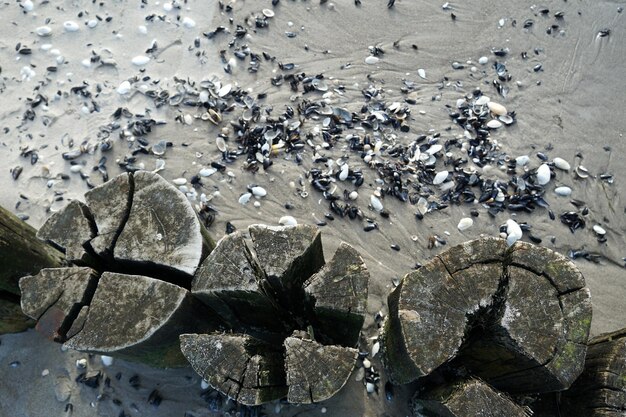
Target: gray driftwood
{"x": 162, "y": 228}
{"x": 21, "y": 253}
{"x": 70, "y": 229}
{"x": 517, "y": 317}
{"x": 466, "y": 398}
{"x": 316, "y": 372}
{"x": 274, "y": 290}
{"x": 55, "y": 296}
{"x": 239, "y": 366}
{"x": 600, "y": 391}
{"x": 140, "y": 318}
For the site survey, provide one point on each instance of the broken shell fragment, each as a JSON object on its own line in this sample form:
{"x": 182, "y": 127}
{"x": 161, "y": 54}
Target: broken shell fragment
{"x": 496, "y": 108}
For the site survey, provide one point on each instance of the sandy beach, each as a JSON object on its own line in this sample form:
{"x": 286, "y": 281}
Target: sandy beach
{"x": 66, "y": 68}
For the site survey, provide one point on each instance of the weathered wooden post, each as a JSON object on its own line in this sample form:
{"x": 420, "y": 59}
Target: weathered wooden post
{"x": 296, "y": 319}
{"x": 518, "y": 318}
{"x": 21, "y": 253}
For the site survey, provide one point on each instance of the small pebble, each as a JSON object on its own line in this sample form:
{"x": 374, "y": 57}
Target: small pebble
{"x": 497, "y": 108}
{"x": 563, "y": 191}
{"x": 483, "y": 60}
{"x": 45, "y": 372}
{"x": 140, "y": 60}
{"x": 353, "y": 195}
{"x": 371, "y": 60}
{"x": 81, "y": 363}
{"x": 124, "y": 88}
{"x": 258, "y": 191}
{"x": 92, "y": 23}
{"x": 43, "y": 31}
{"x": 207, "y": 172}
{"x": 189, "y": 22}
{"x": 180, "y": 181}
{"x": 370, "y": 387}
{"x": 522, "y": 160}
{"x": 70, "y": 26}
{"x": 376, "y": 204}
{"x": 245, "y": 198}
{"x": 543, "y": 174}
{"x": 366, "y": 363}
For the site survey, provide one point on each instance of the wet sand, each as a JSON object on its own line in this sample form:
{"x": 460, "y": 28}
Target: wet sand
{"x": 571, "y": 106}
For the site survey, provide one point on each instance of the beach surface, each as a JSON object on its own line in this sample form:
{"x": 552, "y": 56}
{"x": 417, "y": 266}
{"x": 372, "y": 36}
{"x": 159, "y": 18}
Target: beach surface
{"x": 66, "y": 67}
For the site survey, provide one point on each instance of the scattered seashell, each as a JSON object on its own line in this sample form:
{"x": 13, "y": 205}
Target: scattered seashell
{"x": 124, "y": 88}
{"x": 440, "y": 177}
{"x": 465, "y": 223}
{"x": 221, "y": 144}
{"x": 434, "y": 149}
{"x": 599, "y": 230}
{"x": 70, "y": 26}
{"x": 245, "y": 198}
{"x": 258, "y": 191}
{"x": 376, "y": 204}
{"x": 497, "y": 108}
{"x": 92, "y": 23}
{"x": 224, "y": 90}
{"x": 494, "y": 124}
{"x": 140, "y": 60}
{"x": 582, "y": 172}
{"x": 268, "y": 13}
{"x": 287, "y": 221}
{"x": 375, "y": 349}
{"x": 28, "y": 5}
{"x": 371, "y": 60}
{"x": 506, "y": 119}
{"x": 522, "y": 160}
{"x": 483, "y": 60}
{"x": 106, "y": 360}
{"x": 543, "y": 174}
{"x": 561, "y": 164}
{"x": 513, "y": 231}
{"x": 563, "y": 191}
{"x": 482, "y": 100}
{"x": 189, "y": 22}
{"x": 353, "y": 195}
{"x": 43, "y": 31}
{"x": 180, "y": 181}
{"x": 422, "y": 73}
{"x": 207, "y": 172}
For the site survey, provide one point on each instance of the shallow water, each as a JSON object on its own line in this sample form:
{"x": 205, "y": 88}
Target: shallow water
{"x": 572, "y": 106}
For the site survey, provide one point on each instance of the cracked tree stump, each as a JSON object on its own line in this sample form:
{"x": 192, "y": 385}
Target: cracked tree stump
{"x": 517, "y": 318}
{"x": 143, "y": 241}
{"x": 464, "y": 398}
{"x": 600, "y": 391}
{"x": 21, "y": 253}
{"x": 280, "y": 294}
{"x": 114, "y": 325}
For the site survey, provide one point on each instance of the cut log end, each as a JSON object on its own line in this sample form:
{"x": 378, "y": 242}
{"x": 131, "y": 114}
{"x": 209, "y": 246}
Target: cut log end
{"x": 491, "y": 310}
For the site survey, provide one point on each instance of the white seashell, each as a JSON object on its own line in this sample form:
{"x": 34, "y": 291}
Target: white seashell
{"x": 221, "y": 144}
{"x": 189, "y": 23}
{"x": 224, "y": 90}
{"x": 76, "y": 168}
{"x": 287, "y": 221}
{"x": 159, "y": 165}
{"x": 43, "y": 31}
{"x": 70, "y": 26}
{"x": 500, "y": 196}
{"x": 257, "y": 204}
{"x": 343, "y": 174}
{"x": 465, "y": 223}
{"x": 92, "y": 23}
{"x": 106, "y": 360}
{"x": 513, "y": 231}
{"x": 506, "y": 119}
{"x": 207, "y": 172}
{"x": 582, "y": 172}
{"x": 168, "y": 6}
{"x": 371, "y": 60}
{"x": 370, "y": 387}
{"x": 258, "y": 191}
{"x": 563, "y": 191}
{"x": 599, "y": 230}
{"x": 268, "y": 12}
{"x": 440, "y": 177}
{"x": 376, "y": 204}
{"x": 482, "y": 100}
{"x": 245, "y": 198}
{"x": 375, "y": 349}
{"x": 562, "y": 164}
{"x": 522, "y": 160}
{"x": 367, "y": 364}
{"x": 140, "y": 60}
{"x": 353, "y": 195}
{"x": 180, "y": 181}
{"x": 142, "y": 29}
{"x": 124, "y": 88}
{"x": 204, "y": 385}
{"x": 434, "y": 149}
{"x": 494, "y": 124}
{"x": 483, "y": 60}
{"x": 422, "y": 73}
{"x": 86, "y": 62}
{"x": 543, "y": 174}
{"x": 497, "y": 108}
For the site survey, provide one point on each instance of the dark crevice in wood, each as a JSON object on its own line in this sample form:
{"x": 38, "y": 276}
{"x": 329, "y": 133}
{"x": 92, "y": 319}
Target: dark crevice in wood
{"x": 72, "y": 315}
{"x": 129, "y": 205}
